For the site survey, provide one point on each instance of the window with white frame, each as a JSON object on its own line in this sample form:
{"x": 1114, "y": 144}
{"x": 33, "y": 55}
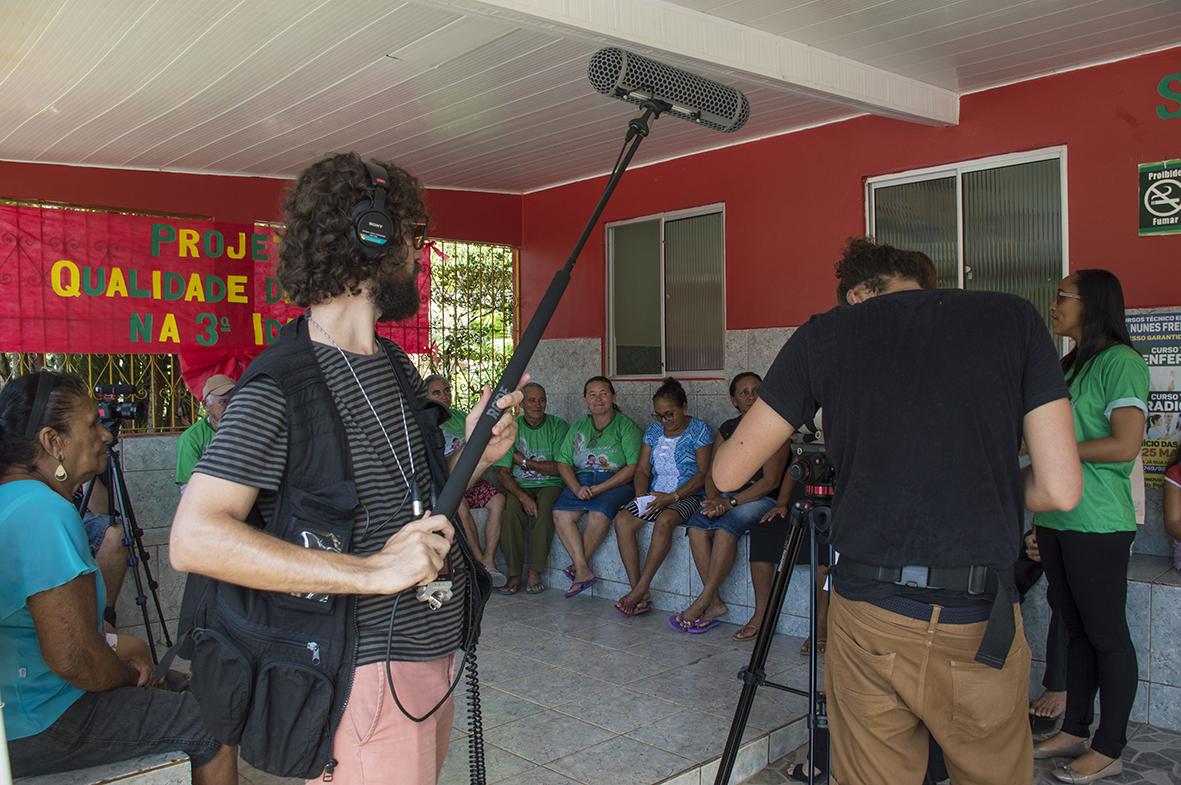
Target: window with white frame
{"x": 995, "y": 224}
{"x": 666, "y": 294}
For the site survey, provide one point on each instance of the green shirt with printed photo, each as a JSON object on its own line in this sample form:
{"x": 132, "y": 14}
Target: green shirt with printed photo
{"x": 536, "y": 444}
{"x": 587, "y": 448}
{"x": 454, "y": 432}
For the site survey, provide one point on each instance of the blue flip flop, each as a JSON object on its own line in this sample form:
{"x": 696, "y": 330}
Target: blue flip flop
{"x": 578, "y": 587}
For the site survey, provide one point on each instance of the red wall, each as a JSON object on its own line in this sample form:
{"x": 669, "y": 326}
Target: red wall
{"x": 792, "y": 201}
{"x": 455, "y": 215}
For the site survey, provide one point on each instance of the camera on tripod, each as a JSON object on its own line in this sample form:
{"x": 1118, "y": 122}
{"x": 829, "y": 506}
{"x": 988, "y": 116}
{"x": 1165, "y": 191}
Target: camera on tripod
{"x": 810, "y": 465}
{"x": 114, "y": 408}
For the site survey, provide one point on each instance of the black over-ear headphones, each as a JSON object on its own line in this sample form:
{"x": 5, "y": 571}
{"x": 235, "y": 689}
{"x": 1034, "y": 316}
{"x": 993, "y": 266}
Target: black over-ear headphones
{"x": 371, "y": 220}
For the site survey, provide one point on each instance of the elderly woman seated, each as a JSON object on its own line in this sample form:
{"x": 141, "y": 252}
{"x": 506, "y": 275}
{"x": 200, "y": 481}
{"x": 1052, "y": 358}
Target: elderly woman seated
{"x": 74, "y": 695}
{"x": 669, "y": 477}
{"x": 714, "y": 529}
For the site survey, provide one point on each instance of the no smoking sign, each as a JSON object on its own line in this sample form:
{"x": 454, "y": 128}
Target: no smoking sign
{"x": 1160, "y": 198}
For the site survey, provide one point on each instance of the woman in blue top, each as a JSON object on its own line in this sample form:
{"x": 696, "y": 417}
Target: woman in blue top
{"x": 69, "y": 700}
{"x": 670, "y": 474}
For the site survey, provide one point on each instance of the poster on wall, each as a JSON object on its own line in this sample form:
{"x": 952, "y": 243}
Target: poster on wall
{"x": 1160, "y": 198}
{"x": 92, "y": 282}
{"x": 89, "y": 282}
{"x": 1156, "y": 334}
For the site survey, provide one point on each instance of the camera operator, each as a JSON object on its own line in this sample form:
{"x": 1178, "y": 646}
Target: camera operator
{"x": 71, "y": 701}
{"x": 927, "y": 394}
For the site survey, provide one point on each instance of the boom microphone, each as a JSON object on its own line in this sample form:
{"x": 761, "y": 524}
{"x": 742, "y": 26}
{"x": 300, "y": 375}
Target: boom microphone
{"x": 635, "y": 78}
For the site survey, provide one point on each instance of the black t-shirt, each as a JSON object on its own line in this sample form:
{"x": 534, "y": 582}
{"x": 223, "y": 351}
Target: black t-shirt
{"x": 923, "y": 395}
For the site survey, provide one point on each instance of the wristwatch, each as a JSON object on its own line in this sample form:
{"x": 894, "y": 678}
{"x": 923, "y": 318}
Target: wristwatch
{"x": 733, "y": 502}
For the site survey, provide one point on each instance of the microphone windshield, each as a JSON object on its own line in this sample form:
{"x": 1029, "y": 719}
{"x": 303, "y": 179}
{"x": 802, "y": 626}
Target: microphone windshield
{"x": 635, "y": 78}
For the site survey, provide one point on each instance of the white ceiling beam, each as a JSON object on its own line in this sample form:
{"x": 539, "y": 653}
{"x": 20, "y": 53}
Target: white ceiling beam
{"x": 773, "y": 60}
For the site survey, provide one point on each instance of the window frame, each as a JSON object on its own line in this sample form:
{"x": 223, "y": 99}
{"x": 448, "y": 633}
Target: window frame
{"x": 609, "y": 357}
{"x": 957, "y": 170}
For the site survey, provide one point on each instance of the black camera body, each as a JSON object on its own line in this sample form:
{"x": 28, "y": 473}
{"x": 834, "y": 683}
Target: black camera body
{"x": 113, "y": 408}
{"x": 810, "y": 465}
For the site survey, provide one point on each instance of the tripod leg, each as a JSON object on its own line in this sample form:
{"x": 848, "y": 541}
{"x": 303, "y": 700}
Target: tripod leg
{"x": 115, "y": 495}
{"x": 144, "y": 558}
{"x": 754, "y": 674}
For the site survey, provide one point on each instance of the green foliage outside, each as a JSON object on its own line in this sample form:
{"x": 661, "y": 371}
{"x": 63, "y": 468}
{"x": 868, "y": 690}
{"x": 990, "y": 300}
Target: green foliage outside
{"x": 473, "y": 310}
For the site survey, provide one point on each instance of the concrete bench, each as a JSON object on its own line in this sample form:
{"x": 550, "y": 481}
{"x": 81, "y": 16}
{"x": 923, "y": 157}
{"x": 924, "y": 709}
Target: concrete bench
{"x": 168, "y": 768}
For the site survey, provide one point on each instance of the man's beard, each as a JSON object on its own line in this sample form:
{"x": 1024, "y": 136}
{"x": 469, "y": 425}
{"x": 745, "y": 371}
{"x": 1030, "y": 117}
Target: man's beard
{"x": 395, "y": 292}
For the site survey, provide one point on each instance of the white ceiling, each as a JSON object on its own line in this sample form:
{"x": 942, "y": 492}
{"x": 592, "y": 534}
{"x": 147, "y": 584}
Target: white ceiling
{"x": 492, "y": 94}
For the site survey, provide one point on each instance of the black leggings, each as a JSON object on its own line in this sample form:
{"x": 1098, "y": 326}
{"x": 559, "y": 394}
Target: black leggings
{"x": 1088, "y": 576}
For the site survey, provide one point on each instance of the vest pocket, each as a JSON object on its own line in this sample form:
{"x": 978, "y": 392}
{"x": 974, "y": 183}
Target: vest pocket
{"x": 287, "y": 728}
{"x": 222, "y": 681}
{"x": 320, "y": 520}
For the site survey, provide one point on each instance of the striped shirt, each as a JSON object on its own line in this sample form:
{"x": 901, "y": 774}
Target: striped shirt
{"x": 250, "y": 448}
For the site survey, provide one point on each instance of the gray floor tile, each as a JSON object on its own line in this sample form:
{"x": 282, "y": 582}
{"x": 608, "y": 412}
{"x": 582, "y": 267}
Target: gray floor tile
{"x": 621, "y": 761}
{"x": 248, "y": 773}
{"x": 496, "y": 708}
{"x": 499, "y": 764}
{"x": 691, "y": 734}
{"x": 613, "y": 665}
{"x": 501, "y": 665}
{"x": 553, "y": 687}
{"x": 508, "y": 634}
{"x": 540, "y": 776}
{"x": 541, "y": 738}
{"x": 620, "y": 710}
{"x": 615, "y": 636}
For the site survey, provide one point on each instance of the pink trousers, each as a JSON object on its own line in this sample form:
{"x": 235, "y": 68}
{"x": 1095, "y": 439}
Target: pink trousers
{"x": 376, "y": 743}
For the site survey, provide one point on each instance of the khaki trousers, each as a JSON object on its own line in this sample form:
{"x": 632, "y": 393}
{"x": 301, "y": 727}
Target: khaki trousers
{"x": 892, "y": 680}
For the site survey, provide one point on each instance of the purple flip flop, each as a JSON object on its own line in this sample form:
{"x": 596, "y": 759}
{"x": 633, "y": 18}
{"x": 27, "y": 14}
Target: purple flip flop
{"x": 578, "y": 587}
{"x": 676, "y": 623}
{"x": 698, "y": 626}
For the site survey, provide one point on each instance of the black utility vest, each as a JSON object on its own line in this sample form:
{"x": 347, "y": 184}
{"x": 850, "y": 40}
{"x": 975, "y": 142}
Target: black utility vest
{"x": 272, "y": 671}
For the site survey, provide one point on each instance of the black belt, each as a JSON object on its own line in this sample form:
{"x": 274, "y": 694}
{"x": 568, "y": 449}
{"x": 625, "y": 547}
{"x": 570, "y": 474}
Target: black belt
{"x": 975, "y": 580}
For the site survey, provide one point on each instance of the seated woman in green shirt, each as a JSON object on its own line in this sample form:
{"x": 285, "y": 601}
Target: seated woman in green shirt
{"x": 1085, "y": 551}
{"x": 597, "y": 461}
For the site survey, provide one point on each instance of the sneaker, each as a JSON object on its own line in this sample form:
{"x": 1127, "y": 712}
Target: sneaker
{"x": 498, "y": 578}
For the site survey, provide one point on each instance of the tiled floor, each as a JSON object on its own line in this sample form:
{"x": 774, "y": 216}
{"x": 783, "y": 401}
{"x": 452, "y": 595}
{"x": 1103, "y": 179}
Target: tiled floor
{"x": 572, "y": 693}
{"x": 575, "y": 694}
{"x": 1152, "y": 757}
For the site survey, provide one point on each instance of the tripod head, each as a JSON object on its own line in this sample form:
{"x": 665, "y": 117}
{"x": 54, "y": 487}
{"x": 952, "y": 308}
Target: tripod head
{"x": 811, "y": 467}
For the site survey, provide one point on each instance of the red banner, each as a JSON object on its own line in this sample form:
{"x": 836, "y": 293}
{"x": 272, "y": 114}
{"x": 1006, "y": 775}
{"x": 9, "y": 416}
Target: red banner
{"x": 102, "y": 283}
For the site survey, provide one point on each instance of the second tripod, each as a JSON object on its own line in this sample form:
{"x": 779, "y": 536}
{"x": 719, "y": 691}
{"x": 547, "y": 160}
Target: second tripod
{"x": 122, "y": 514}
{"x": 811, "y": 515}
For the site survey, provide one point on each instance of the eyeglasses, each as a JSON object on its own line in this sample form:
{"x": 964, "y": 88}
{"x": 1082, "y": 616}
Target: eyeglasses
{"x": 1066, "y": 296}
{"x": 666, "y": 417}
{"x": 418, "y": 235}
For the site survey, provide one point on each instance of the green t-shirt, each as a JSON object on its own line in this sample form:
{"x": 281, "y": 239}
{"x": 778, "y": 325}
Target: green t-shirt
{"x": 454, "y": 431}
{"x": 587, "y": 448}
{"x": 1114, "y": 378}
{"x": 190, "y": 447}
{"x": 537, "y": 444}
